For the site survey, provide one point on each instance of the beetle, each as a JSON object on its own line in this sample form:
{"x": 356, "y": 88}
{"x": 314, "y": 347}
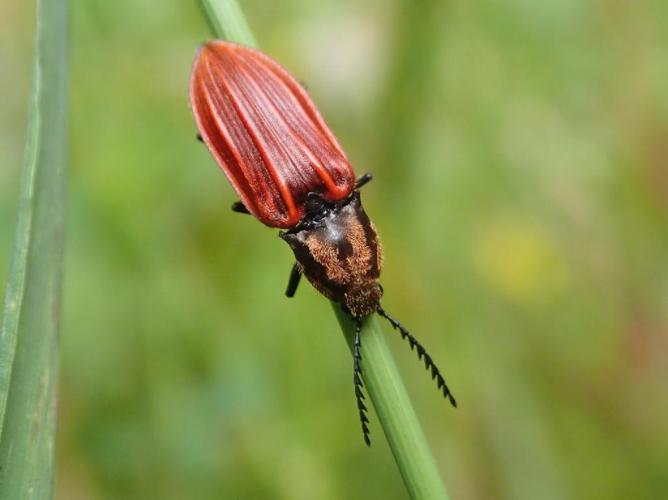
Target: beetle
{"x": 290, "y": 172}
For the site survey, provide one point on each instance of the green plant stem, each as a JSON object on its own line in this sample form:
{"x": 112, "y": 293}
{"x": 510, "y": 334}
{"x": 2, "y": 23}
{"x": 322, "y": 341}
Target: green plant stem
{"x": 381, "y": 377}
{"x": 29, "y": 328}
{"x": 394, "y": 409}
{"x": 227, "y": 21}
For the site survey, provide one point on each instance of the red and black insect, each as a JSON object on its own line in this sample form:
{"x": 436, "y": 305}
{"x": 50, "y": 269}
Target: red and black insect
{"x": 290, "y": 172}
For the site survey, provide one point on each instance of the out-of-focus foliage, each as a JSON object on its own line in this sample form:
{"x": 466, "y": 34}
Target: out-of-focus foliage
{"x": 521, "y": 158}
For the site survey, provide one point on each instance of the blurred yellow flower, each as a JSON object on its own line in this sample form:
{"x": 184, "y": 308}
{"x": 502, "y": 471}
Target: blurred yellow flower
{"x": 517, "y": 260}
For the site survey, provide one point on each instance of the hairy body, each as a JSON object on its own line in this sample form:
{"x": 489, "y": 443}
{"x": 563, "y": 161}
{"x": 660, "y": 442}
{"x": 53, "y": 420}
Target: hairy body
{"x": 341, "y": 256}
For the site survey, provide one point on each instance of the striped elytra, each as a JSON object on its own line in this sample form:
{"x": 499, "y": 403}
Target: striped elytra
{"x": 265, "y": 133}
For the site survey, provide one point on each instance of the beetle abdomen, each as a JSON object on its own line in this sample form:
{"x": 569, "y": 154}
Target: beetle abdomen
{"x": 265, "y": 133}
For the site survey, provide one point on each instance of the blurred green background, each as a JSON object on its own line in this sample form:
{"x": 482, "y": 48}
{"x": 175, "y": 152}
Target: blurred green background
{"x": 520, "y": 153}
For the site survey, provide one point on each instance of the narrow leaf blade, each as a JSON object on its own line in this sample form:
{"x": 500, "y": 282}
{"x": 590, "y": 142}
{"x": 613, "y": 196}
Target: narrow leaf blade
{"x": 29, "y": 328}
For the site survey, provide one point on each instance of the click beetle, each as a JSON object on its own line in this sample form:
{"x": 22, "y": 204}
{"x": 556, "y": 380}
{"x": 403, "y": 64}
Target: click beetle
{"x": 290, "y": 172}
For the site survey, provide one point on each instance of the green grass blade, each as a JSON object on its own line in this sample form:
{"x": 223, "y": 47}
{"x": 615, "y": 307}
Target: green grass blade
{"x": 382, "y": 380}
{"x": 29, "y": 329}
{"x": 227, "y": 21}
{"x": 394, "y": 409}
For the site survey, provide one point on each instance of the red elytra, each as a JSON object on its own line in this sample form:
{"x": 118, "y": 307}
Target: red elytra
{"x": 265, "y": 133}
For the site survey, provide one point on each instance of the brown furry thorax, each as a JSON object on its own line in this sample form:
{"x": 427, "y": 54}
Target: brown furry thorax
{"x": 338, "y": 250}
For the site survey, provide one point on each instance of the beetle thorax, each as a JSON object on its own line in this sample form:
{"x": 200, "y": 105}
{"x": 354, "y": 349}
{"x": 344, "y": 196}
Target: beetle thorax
{"x": 339, "y": 253}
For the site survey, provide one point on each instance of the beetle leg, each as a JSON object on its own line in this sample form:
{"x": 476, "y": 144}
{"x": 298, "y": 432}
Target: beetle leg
{"x": 357, "y": 381}
{"x": 293, "y": 282}
{"x": 199, "y": 138}
{"x": 421, "y": 353}
{"x": 240, "y": 208}
{"x": 363, "y": 179}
